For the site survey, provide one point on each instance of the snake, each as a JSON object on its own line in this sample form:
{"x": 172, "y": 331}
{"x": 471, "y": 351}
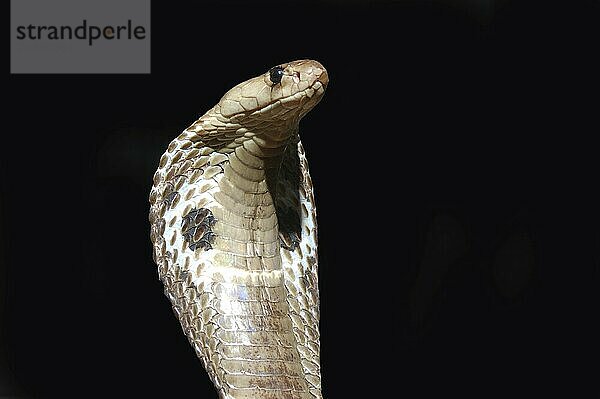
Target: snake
{"x": 234, "y": 236}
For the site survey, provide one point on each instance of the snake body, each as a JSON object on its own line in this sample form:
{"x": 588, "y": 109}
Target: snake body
{"x": 233, "y": 228}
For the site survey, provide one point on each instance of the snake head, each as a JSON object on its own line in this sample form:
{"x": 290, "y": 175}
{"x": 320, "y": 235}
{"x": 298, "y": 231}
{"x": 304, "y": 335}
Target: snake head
{"x": 284, "y": 93}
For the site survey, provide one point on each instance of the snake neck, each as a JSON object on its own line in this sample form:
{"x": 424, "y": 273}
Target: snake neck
{"x": 247, "y": 226}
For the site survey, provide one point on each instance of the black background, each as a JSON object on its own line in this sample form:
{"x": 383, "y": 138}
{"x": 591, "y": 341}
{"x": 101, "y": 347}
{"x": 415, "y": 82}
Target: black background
{"x": 480, "y": 113}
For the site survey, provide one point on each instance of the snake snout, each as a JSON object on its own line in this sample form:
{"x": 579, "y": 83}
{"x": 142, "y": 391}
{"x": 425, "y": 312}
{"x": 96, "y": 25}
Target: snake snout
{"x": 321, "y": 72}
{"x": 310, "y": 71}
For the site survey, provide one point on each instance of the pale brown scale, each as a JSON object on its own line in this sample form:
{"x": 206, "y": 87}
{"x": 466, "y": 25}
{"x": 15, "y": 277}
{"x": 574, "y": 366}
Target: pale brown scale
{"x": 199, "y": 233}
{"x": 195, "y": 176}
{"x": 238, "y": 255}
{"x": 163, "y": 161}
{"x": 200, "y": 162}
{"x": 186, "y": 144}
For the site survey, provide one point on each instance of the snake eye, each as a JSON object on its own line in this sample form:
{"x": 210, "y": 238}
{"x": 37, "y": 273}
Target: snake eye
{"x": 275, "y": 74}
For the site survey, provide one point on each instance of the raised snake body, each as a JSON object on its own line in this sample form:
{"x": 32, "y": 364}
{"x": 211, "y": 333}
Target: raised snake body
{"x": 233, "y": 227}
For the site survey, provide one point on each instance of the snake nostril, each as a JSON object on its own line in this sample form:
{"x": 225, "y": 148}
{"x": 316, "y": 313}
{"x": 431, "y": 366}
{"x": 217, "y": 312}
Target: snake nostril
{"x": 296, "y": 76}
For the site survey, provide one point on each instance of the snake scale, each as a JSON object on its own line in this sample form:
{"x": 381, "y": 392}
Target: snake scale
{"x": 233, "y": 228}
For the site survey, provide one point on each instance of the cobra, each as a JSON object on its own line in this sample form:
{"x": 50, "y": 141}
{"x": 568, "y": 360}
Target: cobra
{"x": 234, "y": 234}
